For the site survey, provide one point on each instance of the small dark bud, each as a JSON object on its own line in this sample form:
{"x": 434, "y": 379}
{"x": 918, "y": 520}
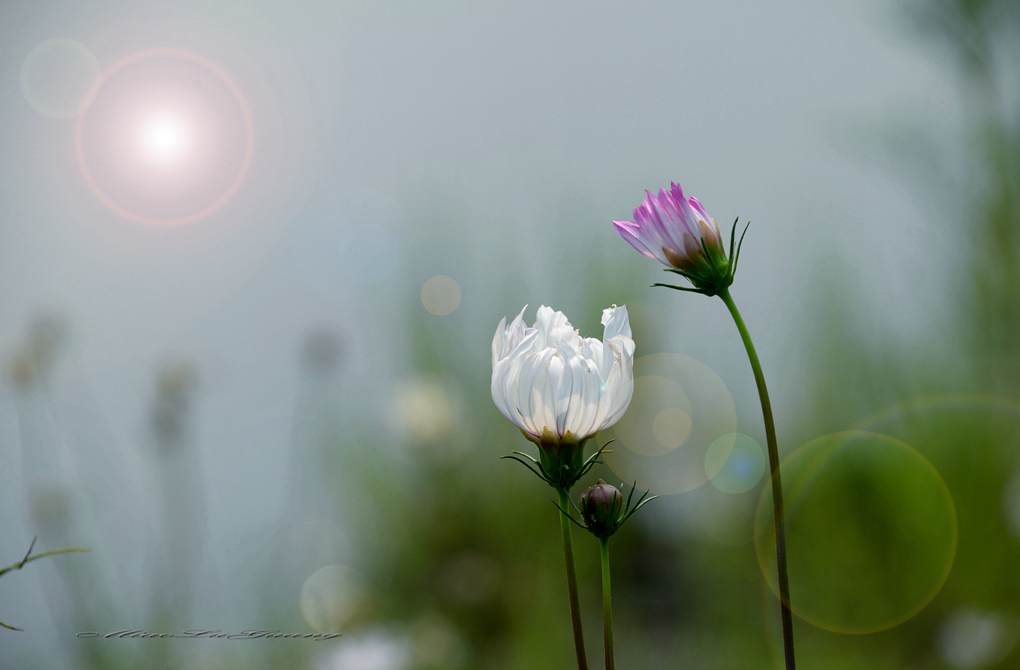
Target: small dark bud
{"x": 601, "y": 506}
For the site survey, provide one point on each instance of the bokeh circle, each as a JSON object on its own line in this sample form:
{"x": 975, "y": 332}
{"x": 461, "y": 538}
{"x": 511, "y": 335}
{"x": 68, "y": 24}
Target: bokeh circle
{"x": 332, "y": 596}
{"x": 440, "y": 295}
{"x": 60, "y": 77}
{"x": 871, "y": 532}
{"x": 679, "y": 408}
{"x": 735, "y": 463}
{"x": 978, "y": 428}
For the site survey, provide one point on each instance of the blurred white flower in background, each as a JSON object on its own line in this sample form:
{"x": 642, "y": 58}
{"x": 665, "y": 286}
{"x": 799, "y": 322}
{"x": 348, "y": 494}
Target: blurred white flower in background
{"x": 427, "y": 410}
{"x": 971, "y": 638}
{"x": 372, "y": 650}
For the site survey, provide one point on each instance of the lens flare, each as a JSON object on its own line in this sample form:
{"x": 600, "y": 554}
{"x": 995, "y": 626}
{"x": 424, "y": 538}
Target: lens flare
{"x": 735, "y": 463}
{"x": 164, "y": 139}
{"x": 871, "y": 532}
{"x": 440, "y": 295}
{"x": 679, "y": 408}
{"x": 167, "y": 139}
{"x": 331, "y": 597}
{"x": 60, "y": 77}
{"x": 952, "y": 406}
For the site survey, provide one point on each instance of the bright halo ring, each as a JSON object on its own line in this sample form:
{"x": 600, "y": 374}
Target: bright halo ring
{"x": 168, "y": 138}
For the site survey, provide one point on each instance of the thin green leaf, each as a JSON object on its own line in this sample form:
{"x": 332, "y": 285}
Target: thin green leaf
{"x": 680, "y": 288}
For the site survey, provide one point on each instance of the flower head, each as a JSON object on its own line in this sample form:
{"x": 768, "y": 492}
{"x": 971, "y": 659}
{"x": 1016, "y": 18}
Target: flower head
{"x": 559, "y": 388}
{"x": 679, "y": 233}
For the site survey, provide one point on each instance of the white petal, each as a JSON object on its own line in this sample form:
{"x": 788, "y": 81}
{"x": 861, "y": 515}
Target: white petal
{"x": 616, "y": 322}
{"x": 517, "y": 327}
{"x": 526, "y": 393}
{"x": 592, "y": 350}
{"x": 497, "y": 341}
{"x": 620, "y": 384}
{"x": 584, "y": 411}
{"x": 553, "y": 327}
{"x": 525, "y": 345}
{"x": 507, "y": 338}
{"x": 545, "y": 393}
{"x": 504, "y": 377}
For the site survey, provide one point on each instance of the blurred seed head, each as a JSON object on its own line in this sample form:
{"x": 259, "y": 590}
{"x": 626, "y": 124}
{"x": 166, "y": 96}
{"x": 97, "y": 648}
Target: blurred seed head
{"x": 322, "y": 353}
{"x": 176, "y": 382}
{"x": 32, "y": 361}
{"x": 49, "y": 505}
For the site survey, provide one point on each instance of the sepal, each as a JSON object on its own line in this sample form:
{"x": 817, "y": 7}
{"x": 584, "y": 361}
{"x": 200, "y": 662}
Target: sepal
{"x": 561, "y": 463}
{"x": 602, "y": 508}
{"x": 712, "y": 271}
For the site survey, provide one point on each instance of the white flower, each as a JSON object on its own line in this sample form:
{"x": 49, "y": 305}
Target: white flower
{"x": 375, "y": 650}
{"x": 557, "y": 386}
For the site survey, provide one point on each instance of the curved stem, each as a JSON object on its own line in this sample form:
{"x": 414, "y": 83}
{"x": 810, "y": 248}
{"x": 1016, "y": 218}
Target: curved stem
{"x": 607, "y": 604}
{"x": 575, "y": 606}
{"x": 31, "y": 557}
{"x": 777, "y": 483}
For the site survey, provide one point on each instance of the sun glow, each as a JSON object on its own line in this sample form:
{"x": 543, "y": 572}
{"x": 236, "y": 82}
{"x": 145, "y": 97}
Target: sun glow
{"x": 167, "y": 139}
{"x": 164, "y": 139}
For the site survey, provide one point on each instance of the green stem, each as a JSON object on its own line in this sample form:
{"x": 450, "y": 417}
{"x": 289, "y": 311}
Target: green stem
{"x": 575, "y": 605}
{"x": 28, "y": 559}
{"x": 777, "y": 483}
{"x": 52, "y": 552}
{"x": 607, "y": 604}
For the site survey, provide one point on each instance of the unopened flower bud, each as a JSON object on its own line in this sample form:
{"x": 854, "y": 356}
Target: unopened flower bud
{"x": 677, "y": 231}
{"x": 601, "y": 506}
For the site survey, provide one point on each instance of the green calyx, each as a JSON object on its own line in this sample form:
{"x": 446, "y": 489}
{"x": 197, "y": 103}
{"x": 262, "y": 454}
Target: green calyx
{"x": 561, "y": 461}
{"x": 710, "y": 271}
